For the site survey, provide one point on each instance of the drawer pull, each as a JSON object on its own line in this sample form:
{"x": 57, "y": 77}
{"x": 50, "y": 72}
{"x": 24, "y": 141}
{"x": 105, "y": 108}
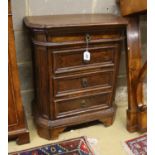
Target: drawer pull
{"x": 84, "y": 82}
{"x": 83, "y": 104}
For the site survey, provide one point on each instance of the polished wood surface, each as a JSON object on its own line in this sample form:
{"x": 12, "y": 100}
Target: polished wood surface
{"x": 130, "y": 7}
{"x": 134, "y": 65}
{"x": 137, "y": 110}
{"x": 71, "y": 58}
{"x": 81, "y": 82}
{"x": 69, "y": 89}
{"x": 57, "y": 21}
{"x": 141, "y": 106}
{"x": 17, "y": 127}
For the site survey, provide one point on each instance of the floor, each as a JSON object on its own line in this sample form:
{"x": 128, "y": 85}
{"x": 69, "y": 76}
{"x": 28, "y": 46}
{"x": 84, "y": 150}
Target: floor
{"x": 104, "y": 140}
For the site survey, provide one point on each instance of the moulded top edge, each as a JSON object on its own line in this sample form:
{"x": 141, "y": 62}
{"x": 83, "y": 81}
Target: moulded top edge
{"x": 73, "y": 20}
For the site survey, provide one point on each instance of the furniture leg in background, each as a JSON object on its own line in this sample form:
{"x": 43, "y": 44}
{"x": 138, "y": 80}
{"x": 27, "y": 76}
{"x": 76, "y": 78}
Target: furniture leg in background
{"x": 137, "y": 111}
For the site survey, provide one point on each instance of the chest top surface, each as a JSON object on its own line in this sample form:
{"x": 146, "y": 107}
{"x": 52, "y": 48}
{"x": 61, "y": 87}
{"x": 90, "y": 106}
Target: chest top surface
{"x": 76, "y": 20}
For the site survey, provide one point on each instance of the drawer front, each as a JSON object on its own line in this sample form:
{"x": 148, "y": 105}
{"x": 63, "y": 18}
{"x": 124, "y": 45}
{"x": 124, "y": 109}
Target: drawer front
{"x": 83, "y": 104}
{"x": 81, "y": 37}
{"x": 82, "y": 82}
{"x": 67, "y": 60}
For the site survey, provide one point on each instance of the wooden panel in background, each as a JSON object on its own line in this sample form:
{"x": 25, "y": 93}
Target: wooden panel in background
{"x": 129, "y": 7}
{"x": 17, "y": 126}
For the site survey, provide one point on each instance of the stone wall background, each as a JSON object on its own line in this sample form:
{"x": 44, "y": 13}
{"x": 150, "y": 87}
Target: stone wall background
{"x": 22, "y": 8}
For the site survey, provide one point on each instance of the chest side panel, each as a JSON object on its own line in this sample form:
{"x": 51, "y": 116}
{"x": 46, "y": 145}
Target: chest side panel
{"x": 42, "y": 82}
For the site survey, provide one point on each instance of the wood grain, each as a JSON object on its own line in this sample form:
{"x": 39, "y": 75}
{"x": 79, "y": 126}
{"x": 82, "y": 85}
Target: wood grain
{"x": 129, "y": 7}
{"x": 17, "y": 127}
{"x": 137, "y": 110}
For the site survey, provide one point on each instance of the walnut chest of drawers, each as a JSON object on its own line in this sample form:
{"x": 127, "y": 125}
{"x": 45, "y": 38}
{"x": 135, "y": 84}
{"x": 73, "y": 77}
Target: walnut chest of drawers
{"x": 76, "y": 60}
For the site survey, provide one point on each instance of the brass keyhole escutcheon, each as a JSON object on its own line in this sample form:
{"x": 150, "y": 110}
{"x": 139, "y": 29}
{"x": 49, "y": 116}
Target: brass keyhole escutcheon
{"x": 84, "y": 82}
{"x": 83, "y": 104}
{"x": 88, "y": 38}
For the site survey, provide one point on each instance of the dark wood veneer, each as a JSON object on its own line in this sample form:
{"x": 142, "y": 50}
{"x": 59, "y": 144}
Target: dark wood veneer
{"x": 70, "y": 90}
